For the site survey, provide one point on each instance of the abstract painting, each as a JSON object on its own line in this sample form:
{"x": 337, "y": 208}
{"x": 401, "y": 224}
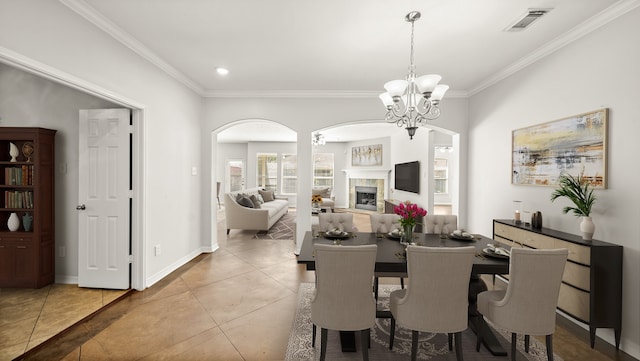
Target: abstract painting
{"x": 368, "y": 155}
{"x": 576, "y": 145}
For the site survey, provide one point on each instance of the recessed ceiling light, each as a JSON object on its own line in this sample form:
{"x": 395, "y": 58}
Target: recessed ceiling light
{"x": 222, "y": 71}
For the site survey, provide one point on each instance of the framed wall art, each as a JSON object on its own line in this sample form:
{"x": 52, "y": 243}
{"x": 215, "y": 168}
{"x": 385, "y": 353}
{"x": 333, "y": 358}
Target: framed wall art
{"x": 367, "y": 155}
{"x": 576, "y": 145}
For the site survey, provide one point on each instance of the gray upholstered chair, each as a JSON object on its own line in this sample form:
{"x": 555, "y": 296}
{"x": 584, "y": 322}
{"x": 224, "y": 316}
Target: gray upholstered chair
{"x": 342, "y": 221}
{"x": 434, "y": 223}
{"x": 528, "y": 305}
{"x": 431, "y": 302}
{"x": 343, "y": 299}
{"x": 385, "y": 223}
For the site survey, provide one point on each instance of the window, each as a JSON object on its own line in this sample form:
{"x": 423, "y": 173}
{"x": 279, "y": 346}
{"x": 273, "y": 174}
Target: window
{"x": 440, "y": 175}
{"x": 289, "y": 173}
{"x": 267, "y": 172}
{"x": 323, "y": 169}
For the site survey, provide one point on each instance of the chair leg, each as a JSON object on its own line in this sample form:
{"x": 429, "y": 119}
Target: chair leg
{"x": 549, "y": 348}
{"x": 450, "y": 337}
{"x": 375, "y": 287}
{"x": 402, "y": 283}
{"x": 392, "y": 332}
{"x": 459, "y": 346}
{"x": 228, "y": 231}
{"x": 526, "y": 343}
{"x": 364, "y": 344}
{"x": 313, "y": 335}
{"x": 478, "y": 333}
{"x": 414, "y": 345}
{"x": 513, "y": 346}
{"x": 323, "y": 343}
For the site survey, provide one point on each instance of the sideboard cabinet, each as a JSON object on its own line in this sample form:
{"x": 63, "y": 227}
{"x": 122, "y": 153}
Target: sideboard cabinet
{"x": 591, "y": 289}
{"x": 26, "y": 207}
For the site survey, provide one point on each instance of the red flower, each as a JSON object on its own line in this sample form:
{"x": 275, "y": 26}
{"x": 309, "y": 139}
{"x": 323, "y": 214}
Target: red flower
{"x": 409, "y": 213}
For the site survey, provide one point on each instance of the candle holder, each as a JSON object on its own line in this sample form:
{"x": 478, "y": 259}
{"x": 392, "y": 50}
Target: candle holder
{"x": 517, "y": 213}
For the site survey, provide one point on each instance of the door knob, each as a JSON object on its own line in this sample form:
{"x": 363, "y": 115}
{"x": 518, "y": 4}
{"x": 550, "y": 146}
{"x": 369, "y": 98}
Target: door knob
{"x": 81, "y": 207}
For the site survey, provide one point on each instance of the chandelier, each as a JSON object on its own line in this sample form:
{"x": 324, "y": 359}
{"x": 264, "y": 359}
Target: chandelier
{"x": 318, "y": 139}
{"x": 419, "y": 96}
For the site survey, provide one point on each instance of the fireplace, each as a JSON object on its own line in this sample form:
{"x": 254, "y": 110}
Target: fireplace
{"x": 366, "y": 198}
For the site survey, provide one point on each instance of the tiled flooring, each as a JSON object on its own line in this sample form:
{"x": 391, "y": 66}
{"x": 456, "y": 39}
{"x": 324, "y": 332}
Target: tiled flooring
{"x": 30, "y": 316}
{"x": 234, "y": 304}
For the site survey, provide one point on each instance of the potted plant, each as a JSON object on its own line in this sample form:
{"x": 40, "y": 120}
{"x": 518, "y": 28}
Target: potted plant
{"x": 580, "y": 192}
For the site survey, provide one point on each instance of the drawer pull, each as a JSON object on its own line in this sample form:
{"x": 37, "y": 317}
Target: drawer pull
{"x": 21, "y": 247}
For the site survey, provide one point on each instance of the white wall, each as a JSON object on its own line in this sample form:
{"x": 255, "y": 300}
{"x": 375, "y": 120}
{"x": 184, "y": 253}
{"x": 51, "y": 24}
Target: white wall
{"x": 49, "y": 33}
{"x": 599, "y": 70}
{"x": 304, "y": 116}
{"x": 27, "y": 100}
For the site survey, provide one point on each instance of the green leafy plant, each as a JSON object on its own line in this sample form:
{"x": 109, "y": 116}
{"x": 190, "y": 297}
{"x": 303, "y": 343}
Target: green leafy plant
{"x": 578, "y": 190}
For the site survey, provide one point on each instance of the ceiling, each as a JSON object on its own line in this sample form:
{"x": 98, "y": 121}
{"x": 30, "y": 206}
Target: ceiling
{"x": 337, "y": 47}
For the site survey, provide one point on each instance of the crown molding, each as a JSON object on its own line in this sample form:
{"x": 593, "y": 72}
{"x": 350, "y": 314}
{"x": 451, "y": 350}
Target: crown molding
{"x": 93, "y": 16}
{"x": 27, "y": 64}
{"x": 340, "y": 94}
{"x": 604, "y": 17}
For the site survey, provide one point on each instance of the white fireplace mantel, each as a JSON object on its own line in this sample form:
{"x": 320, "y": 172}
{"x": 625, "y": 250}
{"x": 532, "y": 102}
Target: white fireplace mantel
{"x": 368, "y": 173}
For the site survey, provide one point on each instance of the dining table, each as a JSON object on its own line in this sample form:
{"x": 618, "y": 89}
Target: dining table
{"x": 391, "y": 257}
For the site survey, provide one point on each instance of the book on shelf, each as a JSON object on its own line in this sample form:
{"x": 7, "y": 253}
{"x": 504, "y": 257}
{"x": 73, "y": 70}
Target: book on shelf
{"x": 18, "y": 199}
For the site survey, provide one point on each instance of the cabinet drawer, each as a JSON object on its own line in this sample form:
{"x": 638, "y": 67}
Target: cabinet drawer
{"x": 577, "y": 253}
{"x": 531, "y": 239}
{"x": 577, "y": 275}
{"x": 502, "y": 230}
{"x": 574, "y": 302}
{"x": 15, "y": 239}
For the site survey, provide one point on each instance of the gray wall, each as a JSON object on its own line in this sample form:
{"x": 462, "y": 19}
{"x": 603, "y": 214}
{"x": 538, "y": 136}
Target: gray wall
{"x": 27, "y": 100}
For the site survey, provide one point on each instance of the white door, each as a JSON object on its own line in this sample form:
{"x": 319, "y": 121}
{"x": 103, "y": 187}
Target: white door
{"x": 104, "y": 198}
{"x": 235, "y": 175}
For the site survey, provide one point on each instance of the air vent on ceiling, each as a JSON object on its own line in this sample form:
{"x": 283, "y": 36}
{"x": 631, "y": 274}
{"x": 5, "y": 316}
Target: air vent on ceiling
{"x": 527, "y": 19}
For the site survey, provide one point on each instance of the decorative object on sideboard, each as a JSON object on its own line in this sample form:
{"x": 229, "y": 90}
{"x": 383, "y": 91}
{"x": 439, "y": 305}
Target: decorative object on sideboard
{"x": 27, "y": 150}
{"x": 13, "y": 152}
{"x": 536, "y": 220}
{"x": 420, "y": 97}
{"x": 13, "y": 223}
{"x": 517, "y": 212}
{"x": 580, "y": 192}
{"x": 27, "y": 221}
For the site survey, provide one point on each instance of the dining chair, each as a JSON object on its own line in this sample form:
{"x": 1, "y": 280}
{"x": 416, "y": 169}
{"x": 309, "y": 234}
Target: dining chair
{"x": 343, "y": 299}
{"x": 436, "y": 223}
{"x": 437, "y": 296}
{"x": 385, "y": 223}
{"x": 528, "y": 305}
{"x": 342, "y": 221}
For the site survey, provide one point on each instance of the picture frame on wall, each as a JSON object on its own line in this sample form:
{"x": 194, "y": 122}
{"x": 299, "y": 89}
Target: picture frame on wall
{"x": 367, "y": 155}
{"x": 576, "y": 145}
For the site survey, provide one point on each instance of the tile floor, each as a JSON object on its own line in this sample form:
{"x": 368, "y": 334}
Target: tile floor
{"x": 234, "y": 304}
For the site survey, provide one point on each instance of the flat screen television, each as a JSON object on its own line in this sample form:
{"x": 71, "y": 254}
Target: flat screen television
{"x": 407, "y": 177}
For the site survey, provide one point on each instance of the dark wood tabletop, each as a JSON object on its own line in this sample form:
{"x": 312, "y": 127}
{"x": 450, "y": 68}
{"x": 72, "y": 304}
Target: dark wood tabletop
{"x": 390, "y": 255}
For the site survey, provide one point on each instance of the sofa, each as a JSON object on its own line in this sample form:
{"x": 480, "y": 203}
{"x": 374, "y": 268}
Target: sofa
{"x": 259, "y": 218}
{"x": 328, "y": 200}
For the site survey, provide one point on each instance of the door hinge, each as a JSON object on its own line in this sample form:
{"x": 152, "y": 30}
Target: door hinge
{"x": 130, "y": 258}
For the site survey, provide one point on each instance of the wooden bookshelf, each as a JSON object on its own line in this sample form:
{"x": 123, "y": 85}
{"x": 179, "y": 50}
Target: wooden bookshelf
{"x": 27, "y": 188}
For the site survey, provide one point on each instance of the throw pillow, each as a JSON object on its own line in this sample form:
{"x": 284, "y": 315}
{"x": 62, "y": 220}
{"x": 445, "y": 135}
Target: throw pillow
{"x": 267, "y": 195}
{"x": 254, "y": 200}
{"x": 324, "y": 192}
{"x": 244, "y": 201}
{"x": 260, "y": 199}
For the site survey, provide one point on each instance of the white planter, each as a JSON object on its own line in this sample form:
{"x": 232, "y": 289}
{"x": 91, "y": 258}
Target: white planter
{"x": 587, "y": 228}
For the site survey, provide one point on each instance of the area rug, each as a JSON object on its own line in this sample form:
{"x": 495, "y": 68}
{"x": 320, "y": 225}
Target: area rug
{"x": 282, "y": 229}
{"x": 432, "y": 346}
